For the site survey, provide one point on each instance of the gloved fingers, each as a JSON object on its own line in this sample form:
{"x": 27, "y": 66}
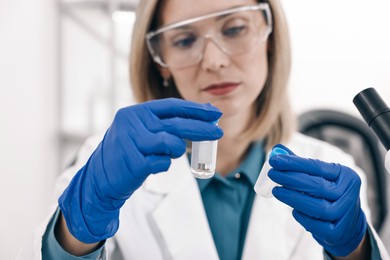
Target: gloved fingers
{"x": 316, "y": 196}
{"x": 346, "y": 221}
{"x": 293, "y": 163}
{"x": 137, "y": 172}
{"x": 328, "y": 231}
{"x": 158, "y": 163}
{"x": 161, "y": 143}
{"x": 140, "y": 121}
{"x": 314, "y": 186}
{"x": 348, "y": 179}
{"x": 318, "y": 208}
{"x": 172, "y": 107}
{"x": 190, "y": 129}
{"x": 321, "y": 230}
{"x": 339, "y": 238}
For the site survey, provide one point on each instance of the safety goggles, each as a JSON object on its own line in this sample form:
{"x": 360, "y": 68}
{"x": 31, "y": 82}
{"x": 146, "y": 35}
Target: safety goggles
{"x": 235, "y": 31}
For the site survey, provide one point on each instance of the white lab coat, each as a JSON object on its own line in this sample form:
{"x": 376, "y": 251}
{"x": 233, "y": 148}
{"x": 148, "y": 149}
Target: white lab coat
{"x": 165, "y": 218}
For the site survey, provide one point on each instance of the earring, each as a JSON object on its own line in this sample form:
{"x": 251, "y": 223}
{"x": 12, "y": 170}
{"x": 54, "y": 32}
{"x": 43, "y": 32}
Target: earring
{"x": 165, "y": 83}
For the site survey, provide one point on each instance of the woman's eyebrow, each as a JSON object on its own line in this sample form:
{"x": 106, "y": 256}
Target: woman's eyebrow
{"x": 221, "y": 17}
{"x": 225, "y": 15}
{"x": 183, "y": 27}
{"x": 217, "y": 18}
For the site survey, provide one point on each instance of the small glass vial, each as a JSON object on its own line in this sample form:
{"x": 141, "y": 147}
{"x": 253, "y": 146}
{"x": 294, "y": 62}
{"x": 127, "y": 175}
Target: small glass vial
{"x": 203, "y": 159}
{"x": 264, "y": 184}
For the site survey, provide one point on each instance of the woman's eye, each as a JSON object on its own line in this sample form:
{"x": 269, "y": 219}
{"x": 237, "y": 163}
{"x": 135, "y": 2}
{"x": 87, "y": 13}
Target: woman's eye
{"x": 234, "y": 31}
{"x": 184, "y": 42}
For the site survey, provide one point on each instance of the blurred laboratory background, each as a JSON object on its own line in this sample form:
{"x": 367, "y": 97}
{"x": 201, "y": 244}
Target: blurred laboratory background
{"x": 64, "y": 73}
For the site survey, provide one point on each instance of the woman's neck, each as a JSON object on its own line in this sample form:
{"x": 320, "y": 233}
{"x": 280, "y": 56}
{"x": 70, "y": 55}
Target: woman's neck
{"x": 232, "y": 147}
{"x": 230, "y": 155}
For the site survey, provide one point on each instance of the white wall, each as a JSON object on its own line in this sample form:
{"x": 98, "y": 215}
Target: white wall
{"x": 339, "y": 49}
{"x": 27, "y": 113}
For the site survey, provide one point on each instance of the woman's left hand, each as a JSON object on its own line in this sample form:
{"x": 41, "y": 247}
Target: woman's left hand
{"x": 324, "y": 197}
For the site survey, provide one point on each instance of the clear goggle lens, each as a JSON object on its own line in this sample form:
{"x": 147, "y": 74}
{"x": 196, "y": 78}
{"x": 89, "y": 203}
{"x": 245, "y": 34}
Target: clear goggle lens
{"x": 234, "y": 31}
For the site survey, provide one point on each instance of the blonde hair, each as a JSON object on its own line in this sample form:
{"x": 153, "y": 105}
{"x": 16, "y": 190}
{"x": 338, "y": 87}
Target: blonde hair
{"x": 272, "y": 117}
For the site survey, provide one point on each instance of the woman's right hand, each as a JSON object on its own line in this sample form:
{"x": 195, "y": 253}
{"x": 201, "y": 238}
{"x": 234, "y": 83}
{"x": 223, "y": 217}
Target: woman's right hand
{"x": 141, "y": 141}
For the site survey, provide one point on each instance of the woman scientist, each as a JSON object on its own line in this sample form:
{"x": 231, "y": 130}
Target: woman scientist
{"x": 193, "y": 63}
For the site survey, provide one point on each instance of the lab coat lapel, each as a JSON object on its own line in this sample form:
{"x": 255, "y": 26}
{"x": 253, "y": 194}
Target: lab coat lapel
{"x": 180, "y": 219}
{"x": 272, "y": 233}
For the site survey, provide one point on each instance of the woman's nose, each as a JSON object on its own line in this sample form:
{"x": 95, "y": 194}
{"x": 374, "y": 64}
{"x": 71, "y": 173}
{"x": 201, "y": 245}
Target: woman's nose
{"x": 214, "y": 58}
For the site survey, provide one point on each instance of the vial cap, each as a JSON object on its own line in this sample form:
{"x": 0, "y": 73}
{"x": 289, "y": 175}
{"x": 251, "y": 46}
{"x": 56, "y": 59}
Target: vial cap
{"x": 277, "y": 150}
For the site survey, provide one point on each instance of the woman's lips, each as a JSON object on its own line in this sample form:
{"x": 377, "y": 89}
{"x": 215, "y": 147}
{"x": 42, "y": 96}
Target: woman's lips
{"x": 221, "y": 89}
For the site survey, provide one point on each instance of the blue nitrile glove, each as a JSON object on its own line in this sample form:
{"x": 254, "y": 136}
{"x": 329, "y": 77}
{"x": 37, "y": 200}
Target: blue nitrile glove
{"x": 325, "y": 199}
{"x": 141, "y": 140}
